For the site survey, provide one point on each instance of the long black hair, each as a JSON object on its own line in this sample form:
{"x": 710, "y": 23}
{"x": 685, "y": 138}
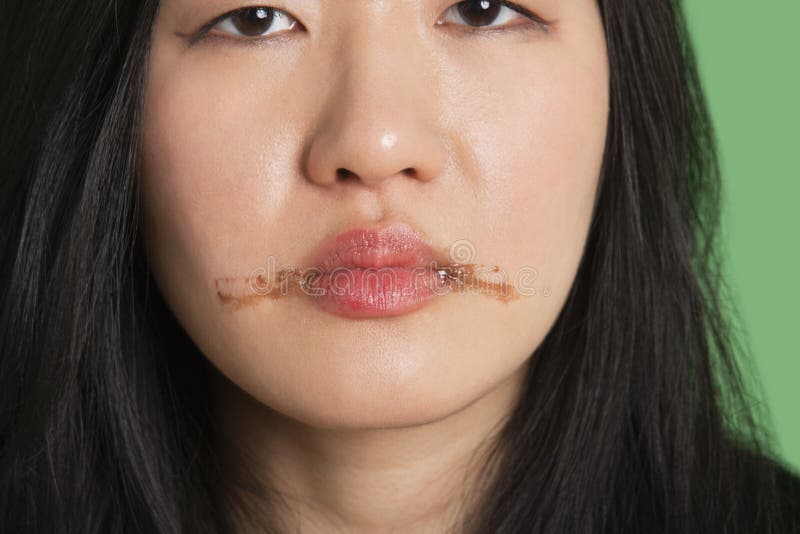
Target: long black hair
{"x": 635, "y": 416}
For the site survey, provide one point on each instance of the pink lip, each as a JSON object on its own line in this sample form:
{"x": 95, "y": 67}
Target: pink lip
{"x": 375, "y": 273}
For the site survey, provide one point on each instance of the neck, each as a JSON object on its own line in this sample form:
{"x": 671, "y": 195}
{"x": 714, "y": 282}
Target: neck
{"x": 418, "y": 478}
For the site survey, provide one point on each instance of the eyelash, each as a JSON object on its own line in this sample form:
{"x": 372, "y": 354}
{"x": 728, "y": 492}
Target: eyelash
{"x": 535, "y": 22}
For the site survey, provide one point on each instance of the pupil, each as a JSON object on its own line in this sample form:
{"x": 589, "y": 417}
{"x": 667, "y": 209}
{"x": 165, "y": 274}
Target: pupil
{"x": 253, "y": 21}
{"x": 479, "y": 12}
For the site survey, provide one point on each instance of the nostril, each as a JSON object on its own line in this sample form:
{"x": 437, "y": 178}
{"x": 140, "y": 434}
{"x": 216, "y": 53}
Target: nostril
{"x": 343, "y": 174}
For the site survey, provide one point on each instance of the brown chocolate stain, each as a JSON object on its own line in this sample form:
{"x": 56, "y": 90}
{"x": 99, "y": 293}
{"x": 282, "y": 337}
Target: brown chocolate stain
{"x": 461, "y": 278}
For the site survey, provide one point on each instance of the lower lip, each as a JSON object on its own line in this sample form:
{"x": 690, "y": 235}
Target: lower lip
{"x": 384, "y": 292}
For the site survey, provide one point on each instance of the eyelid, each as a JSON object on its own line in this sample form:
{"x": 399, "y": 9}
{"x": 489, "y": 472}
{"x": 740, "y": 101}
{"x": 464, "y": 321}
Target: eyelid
{"x": 198, "y": 35}
{"x": 526, "y": 13}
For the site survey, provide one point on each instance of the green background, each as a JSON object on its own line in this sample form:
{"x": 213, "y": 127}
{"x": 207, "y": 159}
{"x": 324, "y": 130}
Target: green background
{"x": 749, "y": 58}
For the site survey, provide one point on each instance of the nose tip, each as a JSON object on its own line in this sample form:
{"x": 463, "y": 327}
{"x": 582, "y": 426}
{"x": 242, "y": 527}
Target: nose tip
{"x": 371, "y": 154}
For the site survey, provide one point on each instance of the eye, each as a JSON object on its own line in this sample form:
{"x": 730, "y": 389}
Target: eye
{"x": 253, "y": 22}
{"x": 491, "y": 15}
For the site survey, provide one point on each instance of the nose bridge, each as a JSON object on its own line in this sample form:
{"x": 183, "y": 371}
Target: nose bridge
{"x": 380, "y": 115}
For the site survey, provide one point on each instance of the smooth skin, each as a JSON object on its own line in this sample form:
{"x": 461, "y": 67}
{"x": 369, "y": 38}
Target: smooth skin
{"x": 370, "y": 425}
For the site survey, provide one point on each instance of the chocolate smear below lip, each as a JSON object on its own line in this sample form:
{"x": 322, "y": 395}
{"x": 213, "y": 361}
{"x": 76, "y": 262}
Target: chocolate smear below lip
{"x": 241, "y": 291}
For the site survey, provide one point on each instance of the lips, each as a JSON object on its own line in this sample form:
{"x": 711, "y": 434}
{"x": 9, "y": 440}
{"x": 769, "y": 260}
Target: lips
{"x": 390, "y": 246}
{"x": 379, "y": 272}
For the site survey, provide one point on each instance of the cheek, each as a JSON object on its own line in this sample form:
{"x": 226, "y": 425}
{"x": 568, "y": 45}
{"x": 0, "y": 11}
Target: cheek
{"x": 210, "y": 189}
{"x": 540, "y": 147}
{"x": 192, "y": 163}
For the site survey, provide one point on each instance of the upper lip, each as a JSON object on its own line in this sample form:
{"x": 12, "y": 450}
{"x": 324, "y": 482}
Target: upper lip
{"x": 396, "y": 245}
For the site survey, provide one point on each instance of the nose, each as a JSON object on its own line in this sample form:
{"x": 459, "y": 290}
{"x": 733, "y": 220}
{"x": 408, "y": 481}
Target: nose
{"x": 379, "y": 116}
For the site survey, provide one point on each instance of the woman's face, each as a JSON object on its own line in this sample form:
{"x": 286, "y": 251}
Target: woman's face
{"x": 483, "y": 133}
